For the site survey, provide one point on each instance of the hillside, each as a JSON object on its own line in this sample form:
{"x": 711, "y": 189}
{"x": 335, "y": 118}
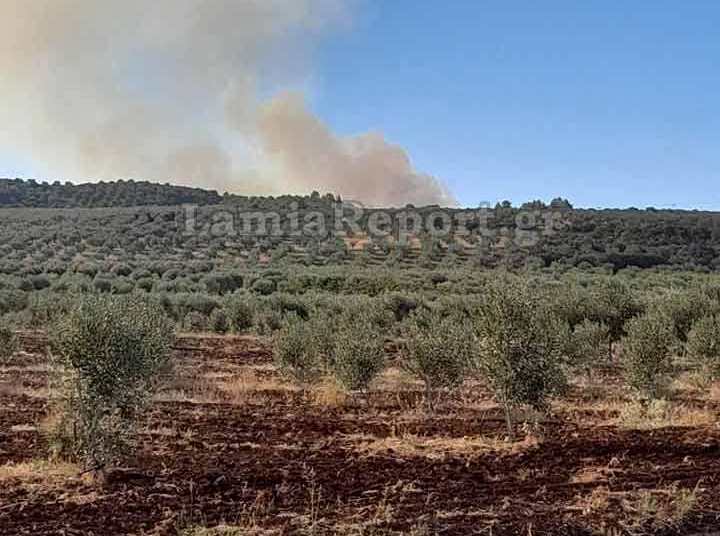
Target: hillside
{"x": 535, "y": 235}
{"x": 20, "y": 193}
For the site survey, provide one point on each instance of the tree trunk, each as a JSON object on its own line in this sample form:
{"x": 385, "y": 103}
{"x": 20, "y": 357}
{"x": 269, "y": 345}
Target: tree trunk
{"x": 508, "y": 422}
{"x": 430, "y": 406}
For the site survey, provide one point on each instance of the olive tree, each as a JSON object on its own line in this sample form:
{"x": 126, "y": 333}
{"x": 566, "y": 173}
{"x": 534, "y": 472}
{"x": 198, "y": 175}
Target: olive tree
{"x": 703, "y": 345}
{"x": 520, "y": 346}
{"x": 646, "y": 353}
{"x": 358, "y": 353}
{"x": 294, "y": 353}
{"x": 613, "y": 303}
{"x": 587, "y": 347}
{"x": 108, "y": 354}
{"x": 240, "y": 313}
{"x": 438, "y": 350}
{"x": 684, "y": 309}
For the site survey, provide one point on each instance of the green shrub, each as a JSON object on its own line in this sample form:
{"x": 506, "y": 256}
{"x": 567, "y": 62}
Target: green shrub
{"x": 108, "y": 354}
{"x": 294, "y": 356}
{"x": 684, "y": 309}
{"x": 197, "y": 302}
{"x": 195, "y": 322}
{"x": 613, "y": 304}
{"x": 264, "y": 287}
{"x": 219, "y": 321}
{"x": 359, "y": 354}
{"x": 399, "y": 305}
{"x": 703, "y": 345}
{"x": 45, "y": 308}
{"x": 122, "y": 285}
{"x": 102, "y": 284}
{"x": 268, "y": 321}
{"x": 588, "y": 347}
{"x": 438, "y": 350}
{"x": 370, "y": 310}
{"x": 40, "y": 281}
{"x": 287, "y": 304}
{"x": 145, "y": 283}
{"x": 646, "y": 353}
{"x": 570, "y": 303}
{"x": 222, "y": 283}
{"x": 122, "y": 270}
{"x": 240, "y": 313}
{"x": 520, "y": 345}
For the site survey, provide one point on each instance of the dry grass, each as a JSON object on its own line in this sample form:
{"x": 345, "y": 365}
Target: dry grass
{"x": 714, "y": 392}
{"x": 38, "y": 472}
{"x": 227, "y": 530}
{"x": 395, "y": 379}
{"x": 409, "y": 445}
{"x": 12, "y": 390}
{"x": 329, "y": 394}
{"x": 160, "y": 431}
{"x": 239, "y": 387}
{"x": 587, "y": 475}
{"x": 659, "y": 508}
{"x": 663, "y": 414}
{"x": 250, "y": 387}
{"x": 598, "y": 501}
{"x": 33, "y": 368}
{"x": 692, "y": 382}
{"x": 23, "y": 428}
{"x": 638, "y": 512}
{"x": 199, "y": 391}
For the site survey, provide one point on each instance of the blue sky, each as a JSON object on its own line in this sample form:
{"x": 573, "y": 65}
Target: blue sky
{"x": 607, "y": 103}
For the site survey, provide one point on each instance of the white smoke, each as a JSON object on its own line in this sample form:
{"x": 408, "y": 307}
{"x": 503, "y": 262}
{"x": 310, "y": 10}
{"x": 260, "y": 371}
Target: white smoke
{"x": 168, "y": 90}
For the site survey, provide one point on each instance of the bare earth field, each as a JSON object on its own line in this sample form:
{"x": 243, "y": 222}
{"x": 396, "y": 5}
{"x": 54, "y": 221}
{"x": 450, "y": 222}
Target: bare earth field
{"x": 230, "y": 445}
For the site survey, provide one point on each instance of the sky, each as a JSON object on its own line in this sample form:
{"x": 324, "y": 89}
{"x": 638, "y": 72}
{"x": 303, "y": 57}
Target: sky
{"x": 606, "y": 103}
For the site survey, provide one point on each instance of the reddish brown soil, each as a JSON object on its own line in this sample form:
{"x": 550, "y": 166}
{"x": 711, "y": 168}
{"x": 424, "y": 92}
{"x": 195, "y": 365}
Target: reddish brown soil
{"x": 261, "y": 462}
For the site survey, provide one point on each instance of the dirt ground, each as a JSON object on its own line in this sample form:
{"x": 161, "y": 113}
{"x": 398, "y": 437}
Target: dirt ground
{"x": 229, "y": 444}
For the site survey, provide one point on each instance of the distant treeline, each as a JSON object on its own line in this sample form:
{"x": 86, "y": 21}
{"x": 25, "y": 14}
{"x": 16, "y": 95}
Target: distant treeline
{"x": 610, "y": 239}
{"x": 30, "y": 193}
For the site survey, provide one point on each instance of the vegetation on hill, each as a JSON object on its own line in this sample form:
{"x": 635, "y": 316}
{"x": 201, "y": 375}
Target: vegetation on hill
{"x": 30, "y": 193}
{"x": 534, "y": 235}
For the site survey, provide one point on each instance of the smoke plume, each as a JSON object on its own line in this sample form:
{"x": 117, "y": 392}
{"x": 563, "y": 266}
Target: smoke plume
{"x": 175, "y": 90}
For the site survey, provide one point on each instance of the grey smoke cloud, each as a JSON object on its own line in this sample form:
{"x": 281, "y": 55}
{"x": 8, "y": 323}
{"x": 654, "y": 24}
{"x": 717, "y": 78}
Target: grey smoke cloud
{"x": 168, "y": 90}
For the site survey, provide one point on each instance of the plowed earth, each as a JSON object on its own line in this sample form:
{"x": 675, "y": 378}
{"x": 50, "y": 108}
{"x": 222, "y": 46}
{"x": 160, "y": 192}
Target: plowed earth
{"x": 229, "y": 443}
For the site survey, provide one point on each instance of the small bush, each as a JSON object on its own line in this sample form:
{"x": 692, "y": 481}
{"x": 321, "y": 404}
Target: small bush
{"x": 268, "y": 322}
{"x": 703, "y": 345}
{"x": 287, "y": 304}
{"x": 294, "y": 355}
{"x": 219, "y": 321}
{"x": 323, "y": 333}
{"x": 359, "y": 354}
{"x": 195, "y": 322}
{"x": 520, "y": 345}
{"x": 646, "y": 352}
{"x": 222, "y": 283}
{"x": 438, "y": 351}
{"x": 108, "y": 353}
{"x": 684, "y": 309}
{"x": 122, "y": 270}
{"x": 399, "y": 305}
{"x": 240, "y": 313}
{"x": 264, "y": 287}
{"x": 613, "y": 304}
{"x": 588, "y": 347}
{"x": 102, "y": 284}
